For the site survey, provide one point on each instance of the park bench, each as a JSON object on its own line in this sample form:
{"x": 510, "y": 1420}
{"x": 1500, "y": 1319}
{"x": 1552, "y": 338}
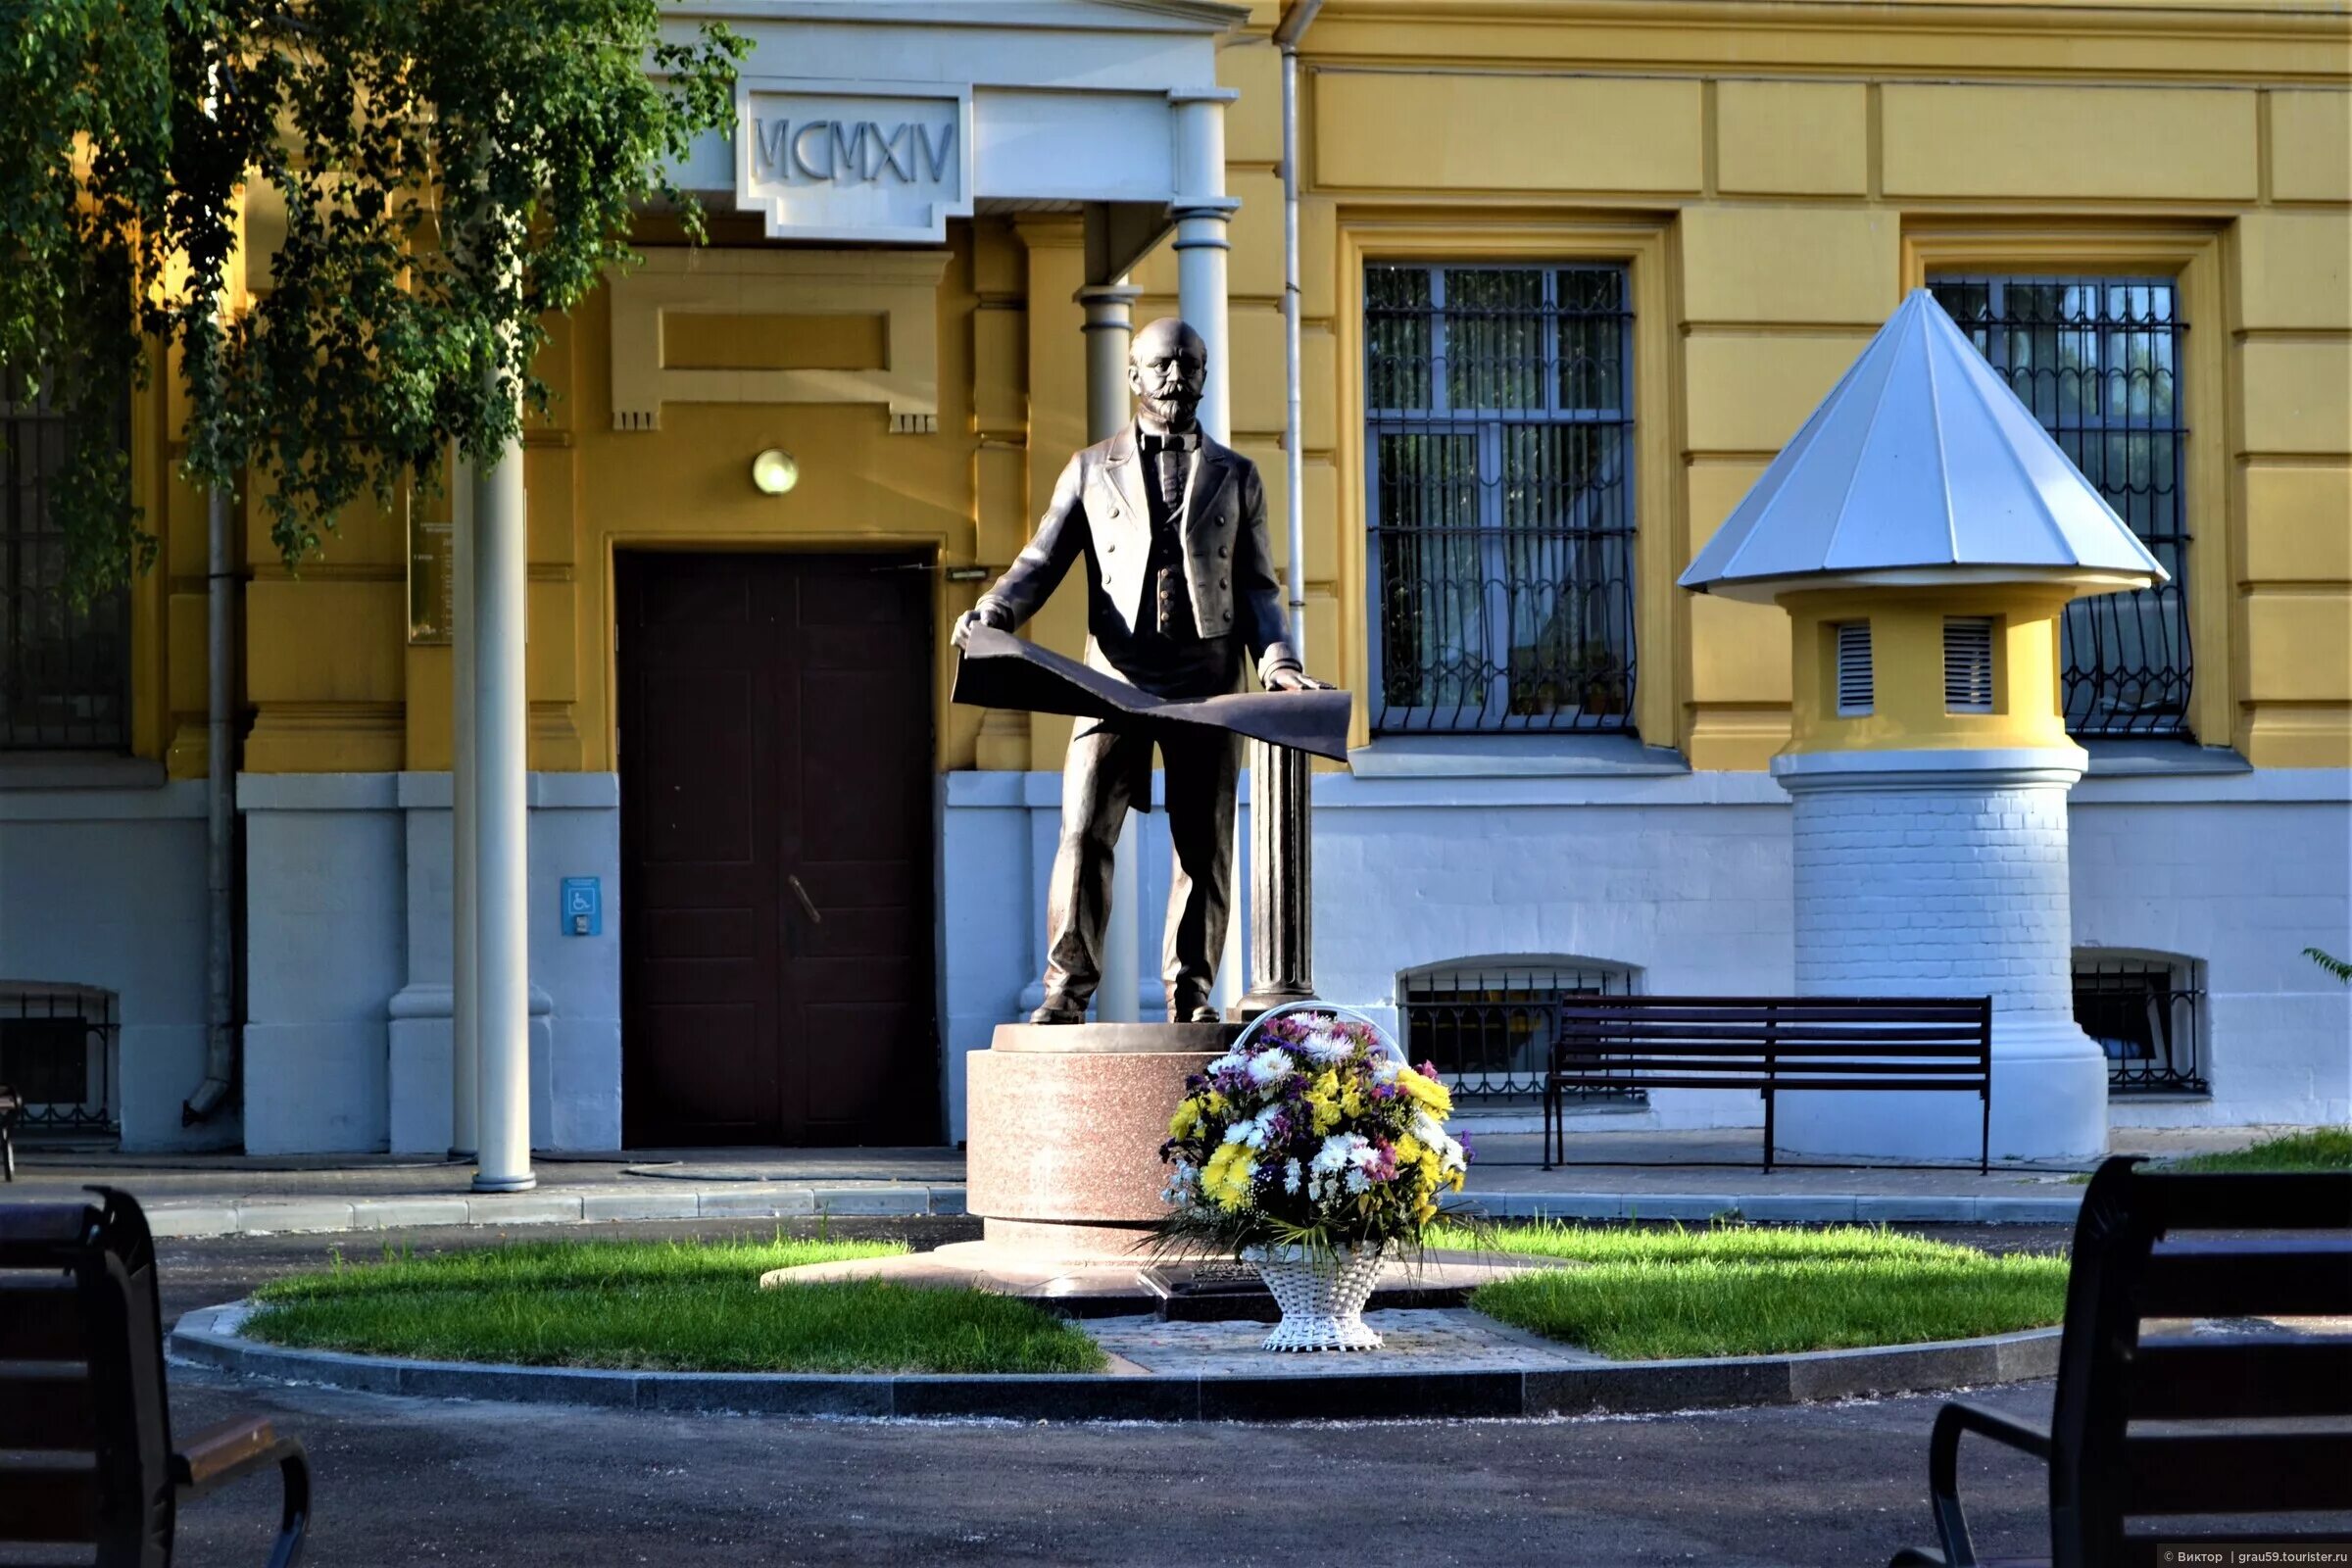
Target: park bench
{"x": 2158, "y": 1417}
{"x": 1772, "y": 1045}
{"x": 11, "y": 1106}
{"x": 86, "y": 1457}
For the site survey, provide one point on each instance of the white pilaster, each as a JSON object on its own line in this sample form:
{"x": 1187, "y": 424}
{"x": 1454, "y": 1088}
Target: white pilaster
{"x": 1109, "y": 333}
{"x": 501, "y": 731}
{"x": 1945, "y": 873}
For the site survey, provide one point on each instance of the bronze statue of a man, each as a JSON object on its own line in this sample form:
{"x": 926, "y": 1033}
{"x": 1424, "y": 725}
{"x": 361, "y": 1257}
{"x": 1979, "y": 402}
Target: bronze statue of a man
{"x": 1179, "y": 586}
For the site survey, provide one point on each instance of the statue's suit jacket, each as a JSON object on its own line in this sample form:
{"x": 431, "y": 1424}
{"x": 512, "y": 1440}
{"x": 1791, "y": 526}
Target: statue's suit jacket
{"x": 1100, "y": 515}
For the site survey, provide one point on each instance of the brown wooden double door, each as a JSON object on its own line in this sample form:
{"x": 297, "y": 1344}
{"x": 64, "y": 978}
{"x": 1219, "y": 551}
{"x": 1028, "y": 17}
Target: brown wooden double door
{"x": 776, "y": 843}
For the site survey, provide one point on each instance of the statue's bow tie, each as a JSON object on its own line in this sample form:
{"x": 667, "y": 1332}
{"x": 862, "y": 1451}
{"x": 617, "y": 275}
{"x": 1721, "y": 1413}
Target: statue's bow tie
{"x": 1171, "y": 442}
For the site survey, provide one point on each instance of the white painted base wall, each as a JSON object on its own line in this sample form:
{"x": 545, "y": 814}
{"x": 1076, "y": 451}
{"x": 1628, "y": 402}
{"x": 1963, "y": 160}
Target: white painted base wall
{"x": 1687, "y": 879}
{"x": 103, "y": 886}
{"x": 346, "y": 1048}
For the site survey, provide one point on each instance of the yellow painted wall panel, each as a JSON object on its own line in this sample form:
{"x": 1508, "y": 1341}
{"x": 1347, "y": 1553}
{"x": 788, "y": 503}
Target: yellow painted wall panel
{"x": 1749, "y": 394}
{"x": 325, "y": 641}
{"x": 1453, "y": 132}
{"x": 2298, "y": 523}
{"x": 2294, "y": 269}
{"x": 1254, "y": 270}
{"x": 186, "y": 620}
{"x": 2298, "y": 646}
{"x": 1792, "y": 138}
{"x": 2025, "y": 142}
{"x": 999, "y": 350}
{"x": 1739, "y": 650}
{"x": 2297, "y": 395}
{"x": 1318, "y": 264}
{"x": 1799, "y": 264}
{"x": 1715, "y": 489}
{"x": 551, "y": 656}
{"x": 2311, "y": 146}
{"x": 548, "y": 498}
{"x": 1253, "y": 125}
{"x": 1259, "y": 377}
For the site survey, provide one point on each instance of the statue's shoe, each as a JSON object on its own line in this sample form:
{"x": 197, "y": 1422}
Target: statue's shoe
{"x": 1060, "y": 1009}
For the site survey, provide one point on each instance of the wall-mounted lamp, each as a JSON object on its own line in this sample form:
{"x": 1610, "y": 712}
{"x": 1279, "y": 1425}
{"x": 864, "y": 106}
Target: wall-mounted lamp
{"x": 773, "y": 471}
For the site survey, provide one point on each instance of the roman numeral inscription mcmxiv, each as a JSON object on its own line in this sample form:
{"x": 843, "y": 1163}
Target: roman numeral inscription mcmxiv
{"x": 853, "y": 151}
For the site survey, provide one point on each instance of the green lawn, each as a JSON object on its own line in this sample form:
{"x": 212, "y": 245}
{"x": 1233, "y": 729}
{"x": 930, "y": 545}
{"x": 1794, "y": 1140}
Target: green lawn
{"x": 2320, "y": 1148}
{"x": 661, "y": 1305}
{"x": 1737, "y": 1289}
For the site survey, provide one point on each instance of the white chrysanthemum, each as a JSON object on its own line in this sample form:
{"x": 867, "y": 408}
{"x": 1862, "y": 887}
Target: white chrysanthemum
{"x": 1261, "y": 1127}
{"x": 1335, "y": 1151}
{"x": 1383, "y": 1069}
{"x": 1239, "y": 1132}
{"x": 1358, "y": 1182}
{"x": 1226, "y": 1064}
{"x": 1289, "y": 1175}
{"x": 1271, "y": 1068}
{"x": 1424, "y": 1127}
{"x": 1327, "y": 1045}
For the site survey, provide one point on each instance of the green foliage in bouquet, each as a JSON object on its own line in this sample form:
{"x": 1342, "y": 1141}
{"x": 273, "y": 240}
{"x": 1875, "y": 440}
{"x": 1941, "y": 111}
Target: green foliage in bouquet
{"x": 1312, "y": 1132}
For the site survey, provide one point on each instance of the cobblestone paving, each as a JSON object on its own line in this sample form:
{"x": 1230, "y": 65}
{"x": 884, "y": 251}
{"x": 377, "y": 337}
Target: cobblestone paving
{"x": 1432, "y": 1339}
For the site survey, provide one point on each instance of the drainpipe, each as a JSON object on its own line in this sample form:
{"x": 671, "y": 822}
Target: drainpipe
{"x": 220, "y": 798}
{"x": 1295, "y": 20}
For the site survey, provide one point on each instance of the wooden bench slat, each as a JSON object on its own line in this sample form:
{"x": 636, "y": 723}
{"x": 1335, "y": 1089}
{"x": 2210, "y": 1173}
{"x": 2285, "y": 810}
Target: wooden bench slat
{"x": 1726, "y": 1039}
{"x": 49, "y": 1503}
{"x": 46, "y": 1406}
{"x": 2202, "y": 1377}
{"x": 38, "y": 1321}
{"x": 2236, "y": 1472}
{"x": 1704, "y": 1061}
{"x": 2246, "y": 1277}
{"x": 2222, "y": 1199}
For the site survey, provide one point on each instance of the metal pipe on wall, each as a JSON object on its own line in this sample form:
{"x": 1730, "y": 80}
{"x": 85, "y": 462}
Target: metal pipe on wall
{"x": 1294, "y": 22}
{"x": 220, "y": 822}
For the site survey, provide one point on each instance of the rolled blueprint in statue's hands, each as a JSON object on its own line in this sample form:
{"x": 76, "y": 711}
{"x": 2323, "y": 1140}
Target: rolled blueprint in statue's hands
{"x": 1001, "y": 671}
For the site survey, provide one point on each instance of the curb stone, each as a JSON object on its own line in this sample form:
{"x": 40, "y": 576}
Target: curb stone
{"x": 787, "y": 1201}
{"x": 209, "y": 1337}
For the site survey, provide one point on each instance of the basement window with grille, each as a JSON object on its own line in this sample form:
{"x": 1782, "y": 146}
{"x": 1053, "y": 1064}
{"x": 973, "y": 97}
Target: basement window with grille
{"x": 1855, "y": 692}
{"x": 57, "y": 1051}
{"x": 1486, "y": 1023}
{"x": 1967, "y": 665}
{"x": 2142, "y": 1009}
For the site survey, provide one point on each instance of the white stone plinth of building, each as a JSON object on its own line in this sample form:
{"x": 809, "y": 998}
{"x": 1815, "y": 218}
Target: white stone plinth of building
{"x": 1945, "y": 873}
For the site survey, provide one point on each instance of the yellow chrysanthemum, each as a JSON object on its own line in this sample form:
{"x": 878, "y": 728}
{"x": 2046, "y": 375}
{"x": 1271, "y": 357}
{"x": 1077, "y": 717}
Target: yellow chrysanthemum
{"x": 1187, "y": 1117}
{"x": 1408, "y": 1151}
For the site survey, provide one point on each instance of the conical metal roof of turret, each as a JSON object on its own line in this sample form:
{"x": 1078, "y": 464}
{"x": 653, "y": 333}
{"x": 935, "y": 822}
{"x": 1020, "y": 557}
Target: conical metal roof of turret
{"x": 1921, "y": 466}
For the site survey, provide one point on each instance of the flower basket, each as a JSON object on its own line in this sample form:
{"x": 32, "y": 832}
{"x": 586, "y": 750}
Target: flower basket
{"x": 1321, "y": 1295}
{"x": 1313, "y": 1150}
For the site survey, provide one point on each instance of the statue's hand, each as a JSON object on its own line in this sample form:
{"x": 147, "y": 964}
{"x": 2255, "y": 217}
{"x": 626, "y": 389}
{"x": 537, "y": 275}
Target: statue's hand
{"x": 1291, "y": 678}
{"x": 975, "y": 617}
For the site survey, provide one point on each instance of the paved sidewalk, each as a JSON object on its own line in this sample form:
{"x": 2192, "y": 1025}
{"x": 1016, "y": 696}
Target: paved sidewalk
{"x": 1614, "y": 1175}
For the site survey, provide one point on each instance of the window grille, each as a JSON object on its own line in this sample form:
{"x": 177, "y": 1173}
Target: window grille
{"x": 2098, "y": 361}
{"x": 65, "y": 668}
{"x": 1500, "y": 431}
{"x": 1855, "y": 693}
{"x": 2143, "y": 1013}
{"x": 57, "y": 1049}
{"x": 1967, "y": 665}
{"x": 1488, "y": 1025}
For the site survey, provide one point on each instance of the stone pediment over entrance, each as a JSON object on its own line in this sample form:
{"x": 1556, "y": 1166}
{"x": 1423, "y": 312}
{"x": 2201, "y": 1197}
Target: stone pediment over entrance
{"x": 864, "y": 121}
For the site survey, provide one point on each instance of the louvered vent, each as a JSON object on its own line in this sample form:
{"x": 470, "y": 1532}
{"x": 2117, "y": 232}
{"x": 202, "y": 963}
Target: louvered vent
{"x": 1968, "y": 667}
{"x": 1853, "y": 668}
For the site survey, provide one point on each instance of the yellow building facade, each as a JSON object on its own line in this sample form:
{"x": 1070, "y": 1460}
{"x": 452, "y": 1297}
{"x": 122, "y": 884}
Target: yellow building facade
{"x": 1764, "y": 184}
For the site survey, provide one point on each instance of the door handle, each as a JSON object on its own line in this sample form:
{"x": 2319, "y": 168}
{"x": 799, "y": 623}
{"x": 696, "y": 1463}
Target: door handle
{"x": 808, "y": 905}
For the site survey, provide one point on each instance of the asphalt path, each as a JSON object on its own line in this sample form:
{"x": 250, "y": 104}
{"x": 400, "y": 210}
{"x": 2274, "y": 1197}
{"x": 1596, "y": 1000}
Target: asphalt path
{"x": 401, "y": 1481}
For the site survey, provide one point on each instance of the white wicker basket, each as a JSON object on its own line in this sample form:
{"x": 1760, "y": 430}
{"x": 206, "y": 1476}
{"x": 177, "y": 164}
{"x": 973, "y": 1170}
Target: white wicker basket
{"x": 1322, "y": 1296}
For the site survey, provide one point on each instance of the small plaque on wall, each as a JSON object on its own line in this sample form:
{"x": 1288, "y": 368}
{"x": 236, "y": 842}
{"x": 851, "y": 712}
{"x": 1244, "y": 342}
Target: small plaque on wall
{"x": 433, "y": 579}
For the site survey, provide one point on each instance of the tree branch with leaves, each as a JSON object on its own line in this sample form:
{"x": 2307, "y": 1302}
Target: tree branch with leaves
{"x": 452, "y": 171}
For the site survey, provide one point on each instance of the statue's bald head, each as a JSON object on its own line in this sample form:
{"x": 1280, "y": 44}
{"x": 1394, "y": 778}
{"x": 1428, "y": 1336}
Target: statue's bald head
{"x": 1166, "y": 369}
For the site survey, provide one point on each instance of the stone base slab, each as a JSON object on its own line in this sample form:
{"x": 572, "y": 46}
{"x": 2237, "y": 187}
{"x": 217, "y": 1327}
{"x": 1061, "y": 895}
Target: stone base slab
{"x": 1064, "y": 1127}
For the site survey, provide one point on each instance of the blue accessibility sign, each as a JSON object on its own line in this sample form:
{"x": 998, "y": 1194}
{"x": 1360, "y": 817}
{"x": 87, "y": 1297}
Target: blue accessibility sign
{"x": 583, "y": 907}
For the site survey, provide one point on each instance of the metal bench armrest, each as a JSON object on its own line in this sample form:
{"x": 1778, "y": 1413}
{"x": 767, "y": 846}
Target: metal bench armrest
{"x": 1943, "y": 1467}
{"x": 237, "y": 1449}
